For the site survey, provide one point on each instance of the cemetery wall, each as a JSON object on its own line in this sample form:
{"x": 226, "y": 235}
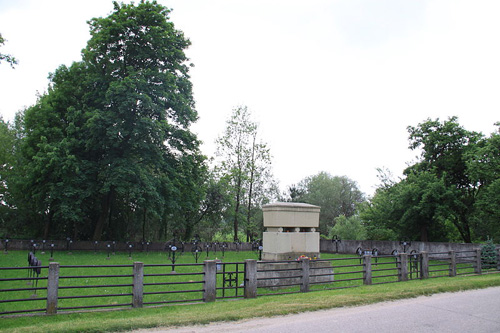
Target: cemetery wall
{"x": 15, "y": 244}
{"x": 326, "y": 246}
{"x": 386, "y": 247}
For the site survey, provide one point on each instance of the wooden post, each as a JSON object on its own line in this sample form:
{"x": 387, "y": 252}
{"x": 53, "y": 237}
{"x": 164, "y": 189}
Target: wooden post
{"x": 478, "y": 267}
{"x": 52, "y": 288}
{"x": 367, "y": 269}
{"x": 210, "y": 278}
{"x": 424, "y": 267}
{"x": 403, "y": 267}
{"x": 304, "y": 287}
{"x": 250, "y": 278}
{"x": 498, "y": 259}
{"x": 138, "y": 285}
{"x": 453, "y": 263}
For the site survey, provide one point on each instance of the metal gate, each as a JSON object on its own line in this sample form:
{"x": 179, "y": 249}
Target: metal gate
{"x": 414, "y": 265}
{"x": 230, "y": 279}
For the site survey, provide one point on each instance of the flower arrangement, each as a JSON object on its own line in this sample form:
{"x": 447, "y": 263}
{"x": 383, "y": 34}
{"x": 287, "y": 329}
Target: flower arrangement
{"x": 306, "y": 257}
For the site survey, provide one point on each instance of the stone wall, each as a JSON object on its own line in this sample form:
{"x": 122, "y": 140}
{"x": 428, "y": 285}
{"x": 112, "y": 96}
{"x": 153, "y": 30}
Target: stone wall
{"x": 386, "y": 247}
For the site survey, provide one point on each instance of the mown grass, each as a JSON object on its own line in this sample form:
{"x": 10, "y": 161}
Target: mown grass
{"x": 202, "y": 313}
{"x": 158, "y": 292}
{"x": 163, "y": 275}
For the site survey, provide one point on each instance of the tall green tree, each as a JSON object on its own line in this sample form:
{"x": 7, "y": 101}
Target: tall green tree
{"x": 110, "y": 144}
{"x": 445, "y": 148}
{"x": 246, "y": 161}
{"x": 484, "y": 168}
{"x": 450, "y": 193}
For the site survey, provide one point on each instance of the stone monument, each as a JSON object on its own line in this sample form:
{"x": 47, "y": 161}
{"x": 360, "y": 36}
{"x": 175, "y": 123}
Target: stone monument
{"x": 291, "y": 231}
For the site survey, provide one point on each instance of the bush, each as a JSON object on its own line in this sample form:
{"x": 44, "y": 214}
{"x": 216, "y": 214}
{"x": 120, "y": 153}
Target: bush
{"x": 488, "y": 255}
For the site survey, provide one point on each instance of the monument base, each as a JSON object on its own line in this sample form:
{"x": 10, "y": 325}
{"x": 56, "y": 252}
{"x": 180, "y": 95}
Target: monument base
{"x": 288, "y": 256}
{"x": 283, "y": 274}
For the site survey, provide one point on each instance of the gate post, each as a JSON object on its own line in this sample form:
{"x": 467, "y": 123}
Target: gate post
{"x": 367, "y": 269}
{"x": 138, "y": 285}
{"x": 250, "y": 278}
{"x": 403, "y": 267}
{"x": 52, "y": 288}
{"x": 453, "y": 263}
{"x": 478, "y": 268}
{"x": 424, "y": 265}
{"x": 210, "y": 279}
{"x": 304, "y": 287}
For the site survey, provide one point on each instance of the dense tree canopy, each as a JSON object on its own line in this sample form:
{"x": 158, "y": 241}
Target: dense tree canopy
{"x": 108, "y": 151}
{"x": 451, "y": 193}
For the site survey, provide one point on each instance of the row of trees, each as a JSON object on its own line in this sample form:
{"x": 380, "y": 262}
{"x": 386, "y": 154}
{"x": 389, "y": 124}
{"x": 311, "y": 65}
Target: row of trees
{"x": 108, "y": 149}
{"x": 451, "y": 193}
{"x": 107, "y": 153}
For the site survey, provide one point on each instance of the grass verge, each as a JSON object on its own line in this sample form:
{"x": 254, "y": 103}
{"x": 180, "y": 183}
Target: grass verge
{"x": 181, "y": 315}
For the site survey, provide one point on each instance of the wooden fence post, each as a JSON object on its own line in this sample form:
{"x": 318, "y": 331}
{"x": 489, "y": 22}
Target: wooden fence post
{"x": 498, "y": 259}
{"x": 304, "y": 286}
{"x": 210, "y": 278}
{"x": 403, "y": 267}
{"x": 52, "y": 288}
{"x": 424, "y": 265}
{"x": 138, "y": 285}
{"x": 367, "y": 269}
{"x": 478, "y": 266}
{"x": 453, "y": 263}
{"x": 250, "y": 278}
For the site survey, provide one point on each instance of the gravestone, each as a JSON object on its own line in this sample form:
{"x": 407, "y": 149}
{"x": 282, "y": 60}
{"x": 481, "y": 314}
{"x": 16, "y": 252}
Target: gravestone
{"x": 291, "y": 231}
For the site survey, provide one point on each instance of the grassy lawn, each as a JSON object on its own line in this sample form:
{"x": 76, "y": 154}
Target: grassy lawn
{"x": 178, "y": 315}
{"x": 221, "y": 310}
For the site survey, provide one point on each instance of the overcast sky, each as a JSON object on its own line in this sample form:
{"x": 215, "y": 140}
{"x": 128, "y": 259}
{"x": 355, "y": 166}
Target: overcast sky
{"x": 333, "y": 84}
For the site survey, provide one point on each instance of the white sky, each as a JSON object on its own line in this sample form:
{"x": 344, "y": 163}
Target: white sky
{"x": 333, "y": 84}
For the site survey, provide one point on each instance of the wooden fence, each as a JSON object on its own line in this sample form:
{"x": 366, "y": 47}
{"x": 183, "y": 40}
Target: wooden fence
{"x": 56, "y": 288}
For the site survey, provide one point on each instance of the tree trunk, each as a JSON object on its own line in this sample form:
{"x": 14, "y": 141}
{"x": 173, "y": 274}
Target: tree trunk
{"x": 236, "y": 212}
{"x": 48, "y": 224}
{"x": 144, "y": 224}
{"x": 424, "y": 235}
{"x": 103, "y": 216}
{"x": 250, "y": 187}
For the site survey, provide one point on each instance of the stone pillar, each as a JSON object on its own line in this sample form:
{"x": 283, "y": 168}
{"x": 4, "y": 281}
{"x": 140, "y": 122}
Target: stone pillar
{"x": 403, "y": 267}
{"x": 453, "y": 263}
{"x": 424, "y": 265}
{"x": 478, "y": 267}
{"x": 367, "y": 269}
{"x": 250, "y": 278}
{"x": 304, "y": 287}
{"x": 138, "y": 285}
{"x": 210, "y": 278}
{"x": 52, "y": 288}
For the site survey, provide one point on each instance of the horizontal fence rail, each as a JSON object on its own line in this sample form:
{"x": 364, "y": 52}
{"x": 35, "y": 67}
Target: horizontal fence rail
{"x": 58, "y": 288}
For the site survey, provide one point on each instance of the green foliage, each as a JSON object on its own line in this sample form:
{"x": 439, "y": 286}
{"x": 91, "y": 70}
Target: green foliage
{"x": 453, "y": 189}
{"x": 489, "y": 255}
{"x": 244, "y": 165}
{"x": 108, "y": 152}
{"x": 351, "y": 228}
{"x": 335, "y": 195}
{"x": 7, "y": 57}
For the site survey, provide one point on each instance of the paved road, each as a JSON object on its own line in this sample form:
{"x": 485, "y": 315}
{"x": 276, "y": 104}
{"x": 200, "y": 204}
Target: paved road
{"x": 469, "y": 311}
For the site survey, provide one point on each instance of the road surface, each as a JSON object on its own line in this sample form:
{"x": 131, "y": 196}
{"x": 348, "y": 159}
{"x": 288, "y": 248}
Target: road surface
{"x": 468, "y": 311}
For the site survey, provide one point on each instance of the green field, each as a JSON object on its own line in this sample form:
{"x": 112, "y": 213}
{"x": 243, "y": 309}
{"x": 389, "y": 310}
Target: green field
{"x": 161, "y": 285}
